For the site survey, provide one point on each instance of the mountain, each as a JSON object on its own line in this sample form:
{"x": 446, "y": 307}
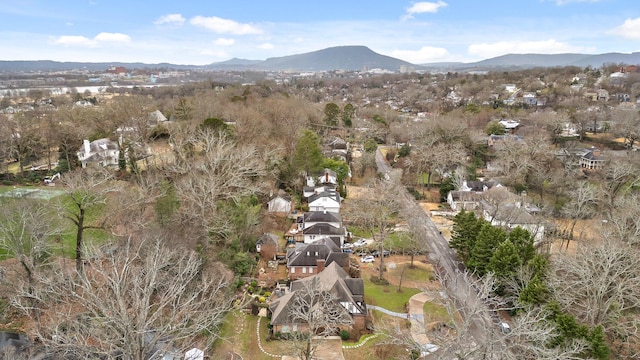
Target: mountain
{"x": 351, "y": 58}
{"x": 333, "y": 58}
{"x": 523, "y": 61}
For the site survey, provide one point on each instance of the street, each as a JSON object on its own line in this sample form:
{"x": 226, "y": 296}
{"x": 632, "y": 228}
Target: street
{"x": 451, "y": 272}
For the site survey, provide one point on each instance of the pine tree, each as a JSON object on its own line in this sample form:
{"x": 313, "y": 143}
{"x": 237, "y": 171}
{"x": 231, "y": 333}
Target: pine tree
{"x": 599, "y": 347}
{"x": 505, "y": 260}
{"x": 308, "y": 156}
{"x": 523, "y": 242}
{"x": 465, "y": 231}
{"x": 486, "y": 243}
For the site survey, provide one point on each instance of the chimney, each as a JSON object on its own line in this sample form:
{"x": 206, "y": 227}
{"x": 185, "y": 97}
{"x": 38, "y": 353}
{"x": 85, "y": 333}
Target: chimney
{"x": 596, "y": 151}
{"x": 320, "y": 264}
{"x": 87, "y": 147}
{"x": 326, "y": 176}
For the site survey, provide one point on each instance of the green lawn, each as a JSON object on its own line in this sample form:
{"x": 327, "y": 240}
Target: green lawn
{"x": 387, "y": 296}
{"x": 66, "y": 244}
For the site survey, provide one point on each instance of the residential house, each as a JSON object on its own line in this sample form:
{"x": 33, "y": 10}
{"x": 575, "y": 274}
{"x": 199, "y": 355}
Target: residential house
{"x": 530, "y": 99}
{"x": 280, "y": 204}
{"x": 320, "y": 230}
{"x": 497, "y": 139}
{"x": 328, "y": 178}
{"x": 102, "y": 152}
{"x": 463, "y": 200}
{"x": 592, "y": 159}
{"x": 510, "y": 125}
{"x": 311, "y": 218}
{"x": 349, "y": 294}
{"x": 267, "y": 246}
{"x": 328, "y": 200}
{"x": 305, "y": 260}
{"x": 503, "y": 208}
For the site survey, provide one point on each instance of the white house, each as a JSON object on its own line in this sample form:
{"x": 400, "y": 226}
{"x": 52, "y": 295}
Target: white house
{"x": 320, "y": 230}
{"x": 102, "y": 152}
{"x": 328, "y": 200}
{"x": 319, "y": 217}
{"x": 280, "y": 204}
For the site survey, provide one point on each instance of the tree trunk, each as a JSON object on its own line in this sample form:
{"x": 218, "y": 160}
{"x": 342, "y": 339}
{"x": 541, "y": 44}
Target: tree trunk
{"x": 79, "y": 234}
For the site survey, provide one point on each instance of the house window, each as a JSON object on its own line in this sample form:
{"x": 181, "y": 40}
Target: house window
{"x": 304, "y": 270}
{"x": 310, "y": 270}
{"x": 293, "y": 270}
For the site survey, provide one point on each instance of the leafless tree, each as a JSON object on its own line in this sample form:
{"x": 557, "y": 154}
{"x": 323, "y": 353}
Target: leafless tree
{"x": 600, "y": 285}
{"x": 211, "y": 168}
{"x": 627, "y": 125}
{"x": 28, "y": 230}
{"x": 581, "y": 205}
{"x": 319, "y": 313}
{"x": 137, "y": 301}
{"x": 87, "y": 189}
{"x": 377, "y": 212}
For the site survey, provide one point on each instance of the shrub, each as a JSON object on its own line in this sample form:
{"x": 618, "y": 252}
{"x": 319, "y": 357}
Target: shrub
{"x": 379, "y": 281}
{"x": 344, "y": 335}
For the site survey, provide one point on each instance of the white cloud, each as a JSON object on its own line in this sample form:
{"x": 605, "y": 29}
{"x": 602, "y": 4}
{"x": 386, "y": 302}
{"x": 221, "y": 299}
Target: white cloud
{"x": 73, "y": 40}
{"x": 83, "y": 41}
{"x": 224, "y": 42}
{"x": 171, "y": 19}
{"x": 551, "y": 46}
{"x": 426, "y": 54}
{"x": 112, "y": 37}
{"x": 424, "y": 7}
{"x": 224, "y": 26}
{"x": 266, "y": 46}
{"x": 630, "y": 29}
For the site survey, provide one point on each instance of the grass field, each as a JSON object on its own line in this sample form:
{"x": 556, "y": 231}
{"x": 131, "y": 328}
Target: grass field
{"x": 66, "y": 244}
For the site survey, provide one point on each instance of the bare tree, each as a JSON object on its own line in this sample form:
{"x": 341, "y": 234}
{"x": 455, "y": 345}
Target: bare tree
{"x": 319, "y": 313}
{"x": 600, "y": 285}
{"x": 213, "y": 169}
{"x": 377, "y": 213}
{"x": 87, "y": 190}
{"x": 137, "y": 301}
{"x": 28, "y": 230}
{"x": 581, "y": 205}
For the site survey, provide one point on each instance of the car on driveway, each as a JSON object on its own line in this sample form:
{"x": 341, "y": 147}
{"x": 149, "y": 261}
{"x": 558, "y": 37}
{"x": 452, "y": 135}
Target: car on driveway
{"x": 367, "y": 259}
{"x": 361, "y": 242}
{"x": 385, "y": 253}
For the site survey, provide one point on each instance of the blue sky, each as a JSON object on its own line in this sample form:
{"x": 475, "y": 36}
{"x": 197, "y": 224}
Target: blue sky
{"x": 202, "y": 32}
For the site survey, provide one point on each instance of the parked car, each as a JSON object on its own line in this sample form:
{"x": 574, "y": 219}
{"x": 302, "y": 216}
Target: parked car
{"x": 361, "y": 242}
{"x": 349, "y": 251}
{"x": 385, "y": 253}
{"x": 427, "y": 349}
{"x": 347, "y": 245}
{"x": 504, "y": 327}
{"x": 367, "y": 259}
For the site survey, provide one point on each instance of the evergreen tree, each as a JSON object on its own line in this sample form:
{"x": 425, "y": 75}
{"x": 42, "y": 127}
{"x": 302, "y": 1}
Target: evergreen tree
{"x": 308, "y": 156}
{"x": 505, "y": 260}
{"x": 465, "y": 231}
{"x": 523, "y": 242}
{"x": 486, "y": 243}
{"x": 347, "y": 114}
{"x": 599, "y": 347}
{"x": 534, "y": 293}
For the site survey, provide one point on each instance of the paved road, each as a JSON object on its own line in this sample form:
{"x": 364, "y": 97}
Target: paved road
{"x": 450, "y": 270}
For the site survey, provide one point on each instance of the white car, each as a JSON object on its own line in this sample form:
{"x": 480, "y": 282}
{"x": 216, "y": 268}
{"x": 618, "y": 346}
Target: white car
{"x": 367, "y": 259}
{"x": 361, "y": 242}
{"x": 427, "y": 349}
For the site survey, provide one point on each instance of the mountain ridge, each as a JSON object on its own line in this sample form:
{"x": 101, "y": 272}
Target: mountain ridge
{"x": 348, "y": 57}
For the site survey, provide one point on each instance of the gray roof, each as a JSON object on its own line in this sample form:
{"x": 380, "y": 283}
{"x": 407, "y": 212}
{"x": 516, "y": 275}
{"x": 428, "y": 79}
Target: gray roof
{"x": 332, "y": 194}
{"x": 324, "y": 229}
{"x": 322, "y": 216}
{"x": 322, "y": 249}
{"x": 268, "y": 239}
{"x": 333, "y": 279}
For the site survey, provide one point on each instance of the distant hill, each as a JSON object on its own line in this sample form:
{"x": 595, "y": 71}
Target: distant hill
{"x": 333, "y": 58}
{"x": 351, "y": 58}
{"x": 521, "y": 61}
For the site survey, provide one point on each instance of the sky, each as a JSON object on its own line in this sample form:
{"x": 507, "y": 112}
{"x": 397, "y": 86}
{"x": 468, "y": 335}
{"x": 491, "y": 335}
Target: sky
{"x": 202, "y": 32}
